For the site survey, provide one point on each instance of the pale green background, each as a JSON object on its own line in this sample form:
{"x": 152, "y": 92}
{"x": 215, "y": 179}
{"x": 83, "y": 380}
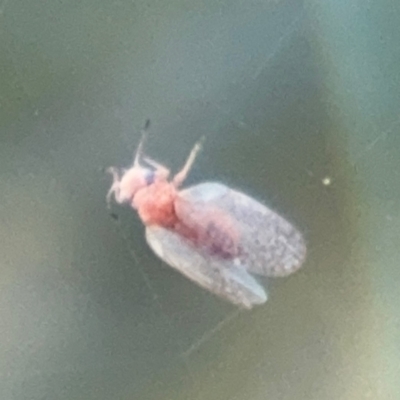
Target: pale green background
{"x": 288, "y": 93}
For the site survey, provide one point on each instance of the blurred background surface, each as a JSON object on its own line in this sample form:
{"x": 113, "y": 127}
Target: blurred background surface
{"x": 299, "y": 105}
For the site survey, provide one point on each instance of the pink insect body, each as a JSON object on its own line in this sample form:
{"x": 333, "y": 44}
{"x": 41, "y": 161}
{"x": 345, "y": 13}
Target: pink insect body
{"x": 214, "y": 235}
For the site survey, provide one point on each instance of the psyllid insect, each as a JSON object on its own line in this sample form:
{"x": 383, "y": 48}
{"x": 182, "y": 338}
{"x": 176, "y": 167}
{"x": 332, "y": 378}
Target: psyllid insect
{"x": 212, "y": 234}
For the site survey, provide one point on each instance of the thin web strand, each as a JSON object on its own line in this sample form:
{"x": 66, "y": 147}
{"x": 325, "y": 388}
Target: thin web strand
{"x": 153, "y": 292}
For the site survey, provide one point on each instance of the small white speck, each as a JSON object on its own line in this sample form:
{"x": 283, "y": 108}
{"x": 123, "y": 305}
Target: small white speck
{"x": 327, "y": 181}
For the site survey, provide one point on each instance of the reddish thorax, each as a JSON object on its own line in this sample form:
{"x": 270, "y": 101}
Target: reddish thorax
{"x": 155, "y": 204}
{"x": 210, "y": 229}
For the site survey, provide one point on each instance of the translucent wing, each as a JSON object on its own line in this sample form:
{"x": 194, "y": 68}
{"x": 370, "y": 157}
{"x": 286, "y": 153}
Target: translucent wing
{"x": 220, "y": 276}
{"x": 268, "y": 244}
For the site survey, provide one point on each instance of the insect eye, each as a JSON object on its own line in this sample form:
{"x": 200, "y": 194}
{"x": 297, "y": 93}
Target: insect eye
{"x": 149, "y": 177}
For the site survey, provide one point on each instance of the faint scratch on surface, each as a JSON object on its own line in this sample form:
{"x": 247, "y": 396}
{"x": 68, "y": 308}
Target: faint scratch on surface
{"x": 209, "y": 334}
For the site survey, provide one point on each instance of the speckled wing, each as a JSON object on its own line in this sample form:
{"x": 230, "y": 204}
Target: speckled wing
{"x": 222, "y": 277}
{"x": 269, "y": 245}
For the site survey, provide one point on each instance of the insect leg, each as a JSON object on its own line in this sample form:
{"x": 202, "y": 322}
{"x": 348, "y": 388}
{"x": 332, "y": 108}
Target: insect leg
{"x": 182, "y": 174}
{"x": 139, "y": 150}
{"x": 114, "y": 189}
{"x": 161, "y": 170}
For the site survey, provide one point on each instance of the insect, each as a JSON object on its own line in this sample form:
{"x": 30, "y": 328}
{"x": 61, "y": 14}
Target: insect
{"x": 214, "y": 235}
